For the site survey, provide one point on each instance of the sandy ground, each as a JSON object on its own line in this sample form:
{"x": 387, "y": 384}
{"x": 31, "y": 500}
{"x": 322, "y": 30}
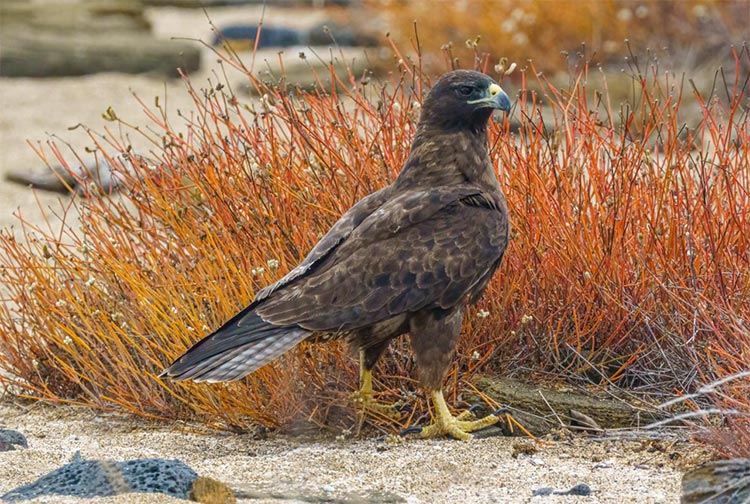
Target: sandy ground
{"x": 418, "y": 471}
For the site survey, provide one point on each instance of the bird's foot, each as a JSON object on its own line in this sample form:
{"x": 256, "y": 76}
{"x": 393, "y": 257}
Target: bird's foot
{"x": 366, "y": 397}
{"x": 445, "y": 424}
{"x": 368, "y": 403}
{"x": 458, "y": 427}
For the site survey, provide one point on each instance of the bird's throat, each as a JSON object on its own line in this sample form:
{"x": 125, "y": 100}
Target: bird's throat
{"x": 448, "y": 158}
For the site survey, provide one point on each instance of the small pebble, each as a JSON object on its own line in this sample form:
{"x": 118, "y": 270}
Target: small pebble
{"x": 581, "y": 490}
{"x": 524, "y": 447}
{"x": 210, "y": 491}
{"x": 11, "y": 440}
{"x": 541, "y": 492}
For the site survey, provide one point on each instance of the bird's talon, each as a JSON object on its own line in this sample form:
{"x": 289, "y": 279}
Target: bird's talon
{"x": 501, "y": 411}
{"x": 475, "y": 407}
{"x": 414, "y": 429}
{"x": 402, "y": 408}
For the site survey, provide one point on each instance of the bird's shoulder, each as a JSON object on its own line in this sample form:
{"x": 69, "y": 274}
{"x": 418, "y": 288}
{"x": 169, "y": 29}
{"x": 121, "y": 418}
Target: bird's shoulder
{"x": 415, "y": 205}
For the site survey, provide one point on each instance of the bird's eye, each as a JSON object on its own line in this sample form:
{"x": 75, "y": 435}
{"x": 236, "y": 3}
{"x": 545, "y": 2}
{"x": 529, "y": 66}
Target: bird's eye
{"x": 465, "y": 90}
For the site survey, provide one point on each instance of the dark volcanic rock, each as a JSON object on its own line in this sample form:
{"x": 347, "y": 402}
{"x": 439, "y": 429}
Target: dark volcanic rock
{"x": 270, "y": 36}
{"x": 11, "y": 439}
{"x": 581, "y": 490}
{"x": 278, "y": 36}
{"x": 344, "y": 35}
{"x": 101, "y": 478}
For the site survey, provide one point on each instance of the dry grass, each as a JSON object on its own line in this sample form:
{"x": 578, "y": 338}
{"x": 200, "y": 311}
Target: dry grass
{"x": 628, "y": 264}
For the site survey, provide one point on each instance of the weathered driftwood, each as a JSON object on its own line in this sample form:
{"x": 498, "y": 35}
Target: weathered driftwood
{"x": 89, "y": 16}
{"x": 718, "y": 482}
{"x": 94, "y": 177}
{"x": 542, "y": 409}
{"x": 45, "y": 55}
{"x": 58, "y": 39}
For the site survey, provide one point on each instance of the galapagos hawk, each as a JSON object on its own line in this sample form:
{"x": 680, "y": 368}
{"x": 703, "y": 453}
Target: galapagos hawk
{"x": 405, "y": 259}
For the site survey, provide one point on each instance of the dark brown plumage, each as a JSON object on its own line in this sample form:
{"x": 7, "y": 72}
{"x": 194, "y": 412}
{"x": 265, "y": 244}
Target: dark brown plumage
{"x": 405, "y": 259}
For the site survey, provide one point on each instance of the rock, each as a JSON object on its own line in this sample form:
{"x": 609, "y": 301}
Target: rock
{"x": 581, "y": 490}
{"x": 101, "y": 478}
{"x": 200, "y": 4}
{"x": 344, "y": 35}
{"x": 581, "y": 422}
{"x": 242, "y": 36}
{"x": 93, "y": 16}
{"x": 210, "y": 491}
{"x": 11, "y": 439}
{"x": 523, "y": 447}
{"x": 718, "y": 482}
{"x": 29, "y": 54}
{"x": 309, "y": 73}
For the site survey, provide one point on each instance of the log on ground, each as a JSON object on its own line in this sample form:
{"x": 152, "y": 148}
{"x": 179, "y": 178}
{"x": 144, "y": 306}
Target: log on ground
{"x": 543, "y": 408}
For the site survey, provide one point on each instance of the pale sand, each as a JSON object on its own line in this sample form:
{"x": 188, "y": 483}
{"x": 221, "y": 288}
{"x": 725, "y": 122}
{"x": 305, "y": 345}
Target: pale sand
{"x": 482, "y": 470}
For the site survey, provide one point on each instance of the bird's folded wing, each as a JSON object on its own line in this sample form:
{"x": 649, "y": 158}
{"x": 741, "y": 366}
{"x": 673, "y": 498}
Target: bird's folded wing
{"x": 421, "y": 249}
{"x": 335, "y": 236}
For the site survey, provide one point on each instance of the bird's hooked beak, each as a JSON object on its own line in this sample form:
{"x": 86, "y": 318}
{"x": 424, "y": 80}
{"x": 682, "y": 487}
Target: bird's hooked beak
{"x": 495, "y": 98}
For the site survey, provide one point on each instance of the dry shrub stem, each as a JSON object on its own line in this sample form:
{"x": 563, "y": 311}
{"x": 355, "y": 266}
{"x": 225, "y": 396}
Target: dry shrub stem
{"x": 628, "y": 264}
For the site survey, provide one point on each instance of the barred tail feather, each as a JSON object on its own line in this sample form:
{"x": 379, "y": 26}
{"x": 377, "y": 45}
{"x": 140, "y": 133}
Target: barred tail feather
{"x": 239, "y": 347}
{"x": 243, "y": 360}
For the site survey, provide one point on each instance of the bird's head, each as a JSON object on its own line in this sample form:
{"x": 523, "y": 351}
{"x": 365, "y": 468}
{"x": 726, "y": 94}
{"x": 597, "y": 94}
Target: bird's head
{"x": 462, "y": 99}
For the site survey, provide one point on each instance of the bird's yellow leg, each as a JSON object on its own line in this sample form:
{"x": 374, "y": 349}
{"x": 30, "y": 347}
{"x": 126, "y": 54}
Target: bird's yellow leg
{"x": 445, "y": 424}
{"x": 365, "y": 394}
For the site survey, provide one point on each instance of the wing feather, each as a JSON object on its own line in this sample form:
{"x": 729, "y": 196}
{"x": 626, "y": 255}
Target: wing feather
{"x": 335, "y": 236}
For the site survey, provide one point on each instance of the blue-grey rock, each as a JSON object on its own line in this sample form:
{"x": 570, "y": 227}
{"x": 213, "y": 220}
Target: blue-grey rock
{"x": 581, "y": 489}
{"x": 278, "y": 36}
{"x": 11, "y": 439}
{"x": 270, "y": 36}
{"x": 102, "y": 478}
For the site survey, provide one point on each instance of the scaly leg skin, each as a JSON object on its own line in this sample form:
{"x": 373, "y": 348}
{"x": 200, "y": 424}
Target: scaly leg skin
{"x": 365, "y": 394}
{"x": 445, "y": 424}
